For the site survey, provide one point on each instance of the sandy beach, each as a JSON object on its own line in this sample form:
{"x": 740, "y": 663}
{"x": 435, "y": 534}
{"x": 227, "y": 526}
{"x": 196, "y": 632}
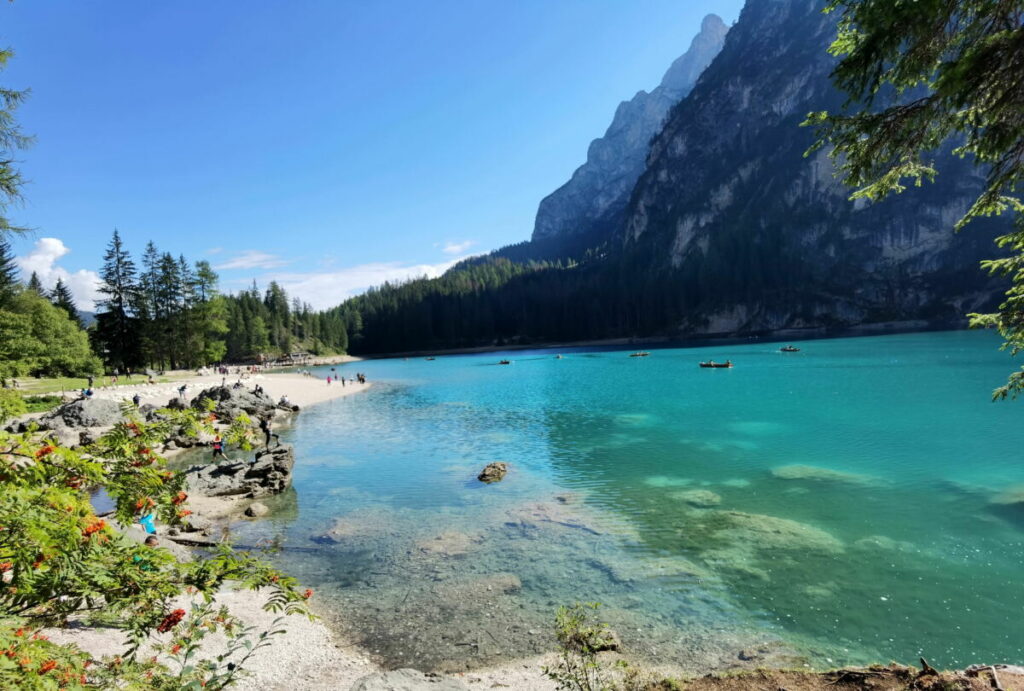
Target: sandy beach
{"x": 300, "y": 389}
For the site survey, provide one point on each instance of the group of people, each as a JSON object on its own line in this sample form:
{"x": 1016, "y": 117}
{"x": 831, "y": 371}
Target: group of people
{"x": 333, "y": 376}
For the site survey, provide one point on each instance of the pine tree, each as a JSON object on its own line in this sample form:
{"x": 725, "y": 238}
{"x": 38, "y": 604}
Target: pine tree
{"x": 153, "y": 343}
{"x": 11, "y": 139}
{"x": 117, "y": 328}
{"x": 36, "y": 285}
{"x": 61, "y": 297}
{"x": 8, "y": 273}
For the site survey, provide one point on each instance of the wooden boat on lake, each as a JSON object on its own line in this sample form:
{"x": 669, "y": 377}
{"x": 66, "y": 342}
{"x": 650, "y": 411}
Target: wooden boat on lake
{"x": 716, "y": 365}
{"x": 430, "y": 358}
{"x": 504, "y": 362}
{"x": 642, "y": 353}
{"x": 790, "y": 349}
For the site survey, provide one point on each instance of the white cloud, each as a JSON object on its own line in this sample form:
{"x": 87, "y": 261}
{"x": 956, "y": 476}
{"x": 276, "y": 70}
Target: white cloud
{"x": 42, "y": 259}
{"x": 252, "y": 259}
{"x": 325, "y": 289}
{"x": 457, "y": 247}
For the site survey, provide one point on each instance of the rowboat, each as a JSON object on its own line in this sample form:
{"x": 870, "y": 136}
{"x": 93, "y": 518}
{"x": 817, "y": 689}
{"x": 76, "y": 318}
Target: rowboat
{"x": 642, "y": 353}
{"x": 790, "y": 349}
{"x": 716, "y": 365}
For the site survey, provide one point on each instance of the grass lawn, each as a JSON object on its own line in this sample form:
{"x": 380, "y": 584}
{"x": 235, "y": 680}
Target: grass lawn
{"x": 30, "y": 386}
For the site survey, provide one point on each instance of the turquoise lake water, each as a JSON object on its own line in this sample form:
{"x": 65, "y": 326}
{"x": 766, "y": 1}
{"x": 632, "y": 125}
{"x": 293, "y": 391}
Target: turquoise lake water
{"x": 849, "y": 503}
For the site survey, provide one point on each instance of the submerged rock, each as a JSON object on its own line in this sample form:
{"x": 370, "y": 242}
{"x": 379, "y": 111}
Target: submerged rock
{"x": 698, "y": 497}
{"x": 810, "y": 472}
{"x": 1010, "y": 496}
{"x": 546, "y": 514}
{"x": 881, "y": 542}
{"x": 493, "y": 472}
{"x": 256, "y": 509}
{"x": 479, "y": 590}
{"x": 406, "y": 680}
{"x": 768, "y": 533}
{"x": 271, "y": 473}
{"x": 450, "y": 543}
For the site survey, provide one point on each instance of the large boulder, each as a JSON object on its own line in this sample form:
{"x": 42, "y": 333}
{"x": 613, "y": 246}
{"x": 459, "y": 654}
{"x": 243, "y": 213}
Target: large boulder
{"x": 230, "y": 402}
{"x": 270, "y": 473}
{"x": 85, "y": 412}
{"x": 493, "y": 472}
{"x": 406, "y": 680}
{"x": 76, "y": 423}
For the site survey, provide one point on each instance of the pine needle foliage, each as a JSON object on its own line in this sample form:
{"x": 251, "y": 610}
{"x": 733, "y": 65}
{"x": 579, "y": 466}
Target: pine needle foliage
{"x": 921, "y": 73}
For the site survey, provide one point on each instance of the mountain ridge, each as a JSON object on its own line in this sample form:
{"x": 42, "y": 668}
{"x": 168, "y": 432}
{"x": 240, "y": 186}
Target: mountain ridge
{"x": 592, "y": 200}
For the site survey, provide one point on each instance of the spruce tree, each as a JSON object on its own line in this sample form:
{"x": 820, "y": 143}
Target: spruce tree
{"x": 11, "y": 140}
{"x": 61, "y": 297}
{"x": 36, "y": 285}
{"x": 8, "y": 273}
{"x": 117, "y": 329}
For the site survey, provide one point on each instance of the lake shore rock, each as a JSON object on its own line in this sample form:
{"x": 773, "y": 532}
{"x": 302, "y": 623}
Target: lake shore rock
{"x": 230, "y": 403}
{"x": 271, "y": 473}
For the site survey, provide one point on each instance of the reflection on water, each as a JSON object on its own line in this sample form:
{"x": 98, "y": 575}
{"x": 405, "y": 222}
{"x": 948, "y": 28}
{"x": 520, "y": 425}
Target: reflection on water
{"x": 842, "y": 503}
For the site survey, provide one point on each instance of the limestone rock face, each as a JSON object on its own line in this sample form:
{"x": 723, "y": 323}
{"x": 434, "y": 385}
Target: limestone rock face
{"x": 759, "y": 237}
{"x": 596, "y": 196}
{"x": 270, "y": 474}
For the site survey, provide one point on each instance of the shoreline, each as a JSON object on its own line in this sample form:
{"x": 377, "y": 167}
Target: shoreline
{"x": 301, "y": 390}
{"x": 697, "y": 340}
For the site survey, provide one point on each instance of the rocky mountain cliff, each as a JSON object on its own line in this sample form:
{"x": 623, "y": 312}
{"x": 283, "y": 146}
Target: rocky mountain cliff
{"x": 763, "y": 238}
{"x": 729, "y": 229}
{"x": 592, "y": 202}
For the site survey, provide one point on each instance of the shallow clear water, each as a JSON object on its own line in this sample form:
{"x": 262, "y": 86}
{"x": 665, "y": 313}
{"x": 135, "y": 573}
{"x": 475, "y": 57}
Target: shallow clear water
{"x": 835, "y": 503}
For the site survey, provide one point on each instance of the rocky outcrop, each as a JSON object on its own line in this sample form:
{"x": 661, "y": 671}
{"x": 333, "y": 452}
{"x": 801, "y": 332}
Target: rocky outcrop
{"x": 270, "y": 473}
{"x": 230, "y": 402}
{"x": 86, "y": 412}
{"x": 493, "y": 472}
{"x": 591, "y": 204}
{"x": 76, "y": 423}
{"x": 754, "y": 236}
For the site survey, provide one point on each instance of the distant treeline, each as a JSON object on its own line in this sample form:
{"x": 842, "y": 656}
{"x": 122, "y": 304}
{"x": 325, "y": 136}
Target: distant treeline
{"x": 496, "y": 301}
{"x": 170, "y": 314}
{"x": 161, "y": 313}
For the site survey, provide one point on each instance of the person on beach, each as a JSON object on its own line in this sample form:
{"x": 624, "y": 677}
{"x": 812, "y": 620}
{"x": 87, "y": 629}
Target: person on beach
{"x": 328, "y": 380}
{"x": 89, "y": 382}
{"x": 267, "y": 433}
{"x": 144, "y": 564}
{"x": 343, "y": 381}
{"x": 136, "y": 400}
{"x": 148, "y": 523}
{"x": 218, "y": 449}
{"x": 181, "y": 391}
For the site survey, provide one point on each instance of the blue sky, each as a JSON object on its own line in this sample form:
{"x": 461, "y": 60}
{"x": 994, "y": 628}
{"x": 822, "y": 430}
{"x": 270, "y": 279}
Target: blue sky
{"x": 328, "y": 144}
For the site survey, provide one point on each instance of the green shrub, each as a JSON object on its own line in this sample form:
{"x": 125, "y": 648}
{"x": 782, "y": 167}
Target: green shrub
{"x": 11, "y": 404}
